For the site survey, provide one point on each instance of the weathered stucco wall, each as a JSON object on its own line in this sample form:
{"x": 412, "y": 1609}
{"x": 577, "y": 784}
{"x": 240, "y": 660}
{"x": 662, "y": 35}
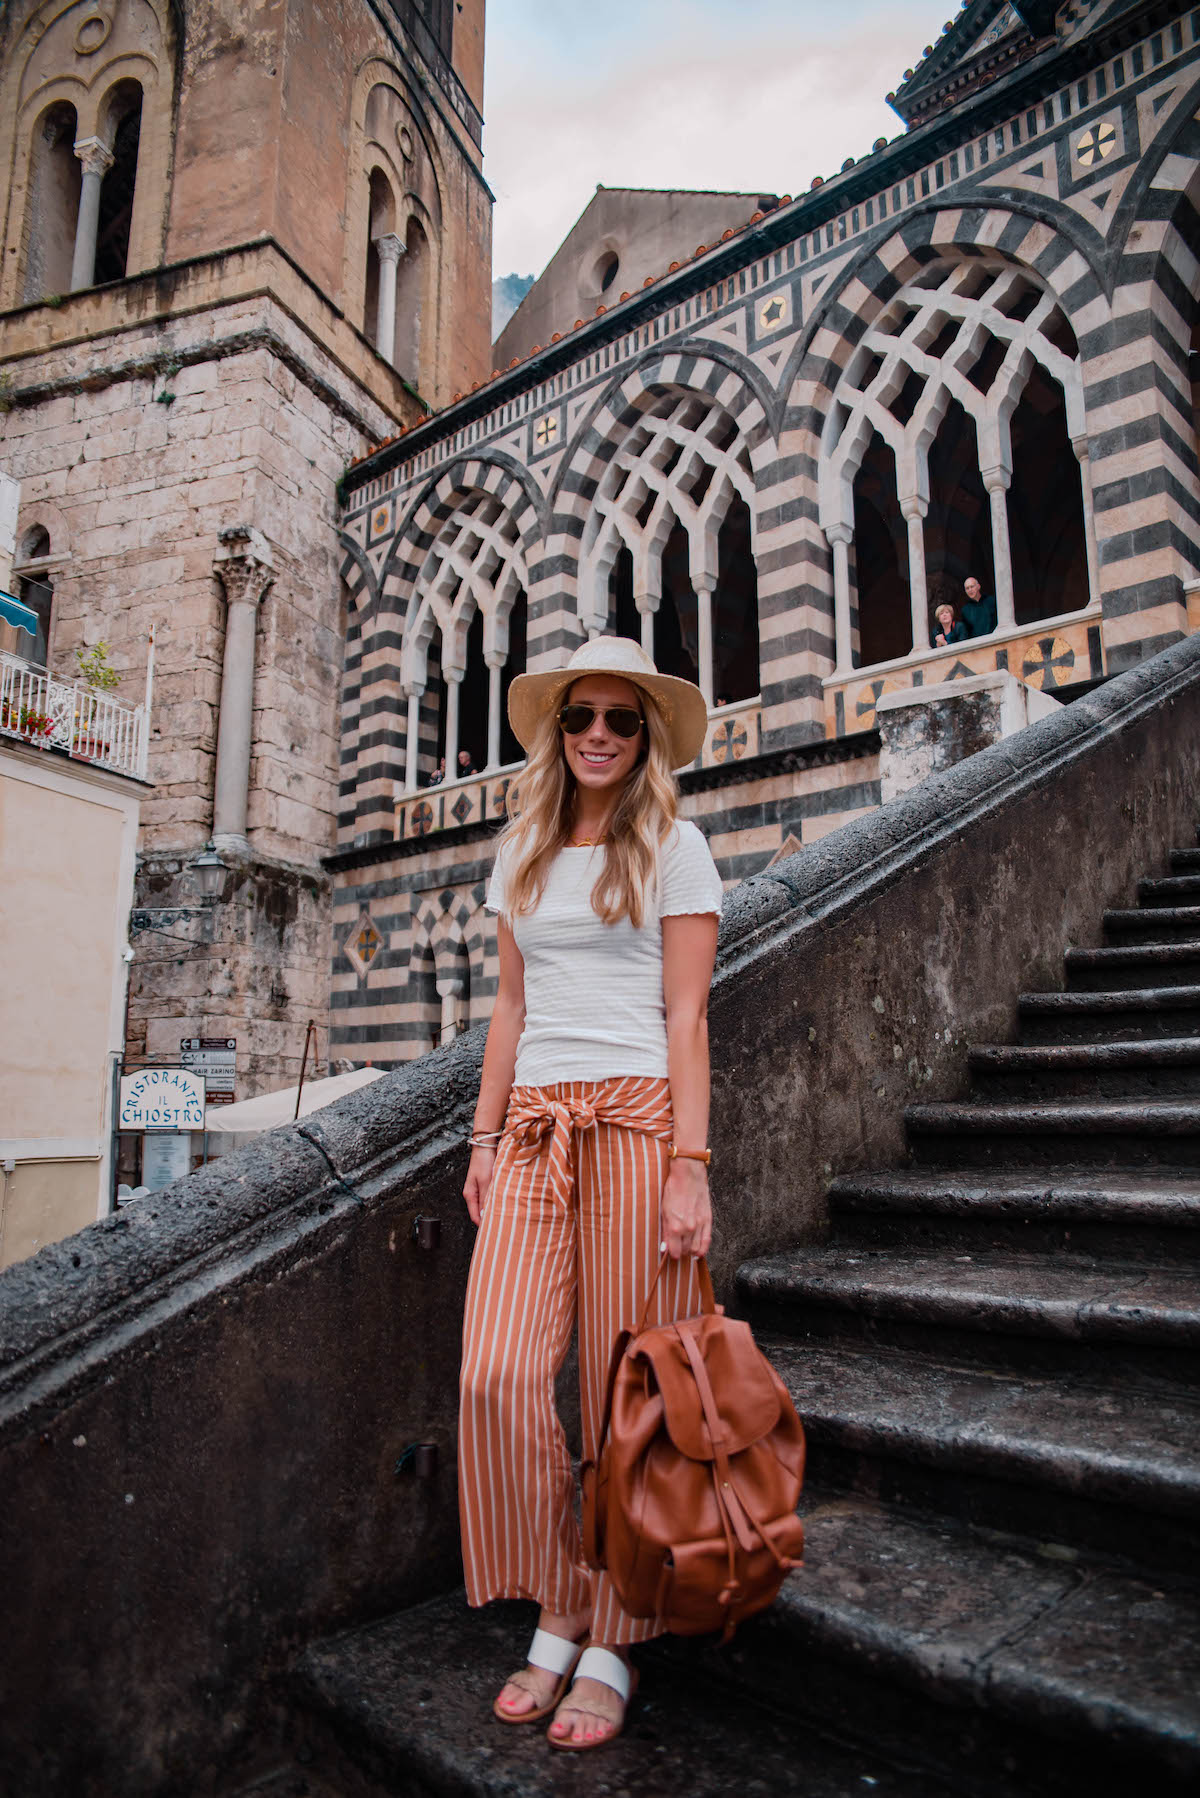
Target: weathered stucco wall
{"x": 202, "y": 1400}
{"x": 68, "y": 834}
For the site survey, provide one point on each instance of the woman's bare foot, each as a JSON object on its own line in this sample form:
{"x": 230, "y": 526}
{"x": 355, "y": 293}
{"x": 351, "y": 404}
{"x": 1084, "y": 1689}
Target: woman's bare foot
{"x": 591, "y": 1713}
{"x": 533, "y": 1688}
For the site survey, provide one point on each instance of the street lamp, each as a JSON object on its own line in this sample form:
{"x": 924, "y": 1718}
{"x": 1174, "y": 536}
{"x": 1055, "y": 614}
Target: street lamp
{"x": 209, "y": 872}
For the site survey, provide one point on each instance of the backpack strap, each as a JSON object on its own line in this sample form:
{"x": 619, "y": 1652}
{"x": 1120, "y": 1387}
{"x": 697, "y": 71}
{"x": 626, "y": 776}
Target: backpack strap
{"x": 747, "y": 1527}
{"x": 708, "y": 1298}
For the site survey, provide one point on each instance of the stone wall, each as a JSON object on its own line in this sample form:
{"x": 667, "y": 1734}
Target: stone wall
{"x": 203, "y": 1399}
{"x": 136, "y": 446}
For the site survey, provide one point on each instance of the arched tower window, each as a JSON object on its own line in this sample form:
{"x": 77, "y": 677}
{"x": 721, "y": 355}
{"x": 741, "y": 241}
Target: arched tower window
{"x": 119, "y": 184}
{"x": 53, "y": 204}
{"x": 394, "y": 225}
{"x": 415, "y": 324}
{"x": 953, "y": 448}
{"x": 379, "y": 310}
{"x": 668, "y": 555}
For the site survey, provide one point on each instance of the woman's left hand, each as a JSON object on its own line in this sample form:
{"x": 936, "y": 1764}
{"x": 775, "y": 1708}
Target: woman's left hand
{"x": 686, "y": 1212}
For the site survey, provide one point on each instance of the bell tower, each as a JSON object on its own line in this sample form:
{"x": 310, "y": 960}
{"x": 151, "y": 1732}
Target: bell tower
{"x": 240, "y": 246}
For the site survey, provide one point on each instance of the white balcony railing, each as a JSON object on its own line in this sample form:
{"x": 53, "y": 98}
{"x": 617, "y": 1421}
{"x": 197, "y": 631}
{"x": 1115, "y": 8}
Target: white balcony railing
{"x": 55, "y": 714}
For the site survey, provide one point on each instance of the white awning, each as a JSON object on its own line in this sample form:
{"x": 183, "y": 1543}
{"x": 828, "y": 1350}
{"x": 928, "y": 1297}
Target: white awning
{"x": 249, "y": 1117}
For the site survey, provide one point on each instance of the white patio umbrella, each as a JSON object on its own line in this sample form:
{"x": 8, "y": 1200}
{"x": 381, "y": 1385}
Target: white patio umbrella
{"x": 250, "y": 1117}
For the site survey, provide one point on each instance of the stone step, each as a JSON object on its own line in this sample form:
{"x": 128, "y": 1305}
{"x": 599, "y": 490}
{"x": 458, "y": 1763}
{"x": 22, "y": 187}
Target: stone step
{"x": 1115, "y": 1467}
{"x": 1162, "y": 923}
{"x": 1133, "y": 965}
{"x": 1019, "y": 1665}
{"x": 1174, "y": 889}
{"x": 1163, "y": 1068}
{"x": 1109, "y": 1133}
{"x": 1107, "y": 1017}
{"x": 998, "y": 1308}
{"x": 406, "y": 1705}
{"x": 1185, "y": 861}
{"x": 1152, "y": 1217}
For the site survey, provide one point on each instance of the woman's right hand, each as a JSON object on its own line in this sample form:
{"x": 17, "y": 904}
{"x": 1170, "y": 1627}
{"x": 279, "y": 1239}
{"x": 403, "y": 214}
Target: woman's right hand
{"x": 479, "y": 1180}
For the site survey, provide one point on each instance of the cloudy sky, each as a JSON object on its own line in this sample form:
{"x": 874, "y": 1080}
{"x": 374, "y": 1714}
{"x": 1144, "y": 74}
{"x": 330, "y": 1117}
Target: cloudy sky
{"x": 739, "y": 94}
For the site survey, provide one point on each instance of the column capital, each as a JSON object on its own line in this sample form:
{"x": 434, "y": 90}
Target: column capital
{"x": 244, "y": 564}
{"x": 389, "y": 248}
{"x": 996, "y": 480}
{"x": 1082, "y": 446}
{"x": 704, "y": 583}
{"x": 495, "y": 658}
{"x": 94, "y": 154}
{"x": 838, "y": 533}
{"x": 645, "y": 602}
{"x": 450, "y": 673}
{"x": 914, "y": 506}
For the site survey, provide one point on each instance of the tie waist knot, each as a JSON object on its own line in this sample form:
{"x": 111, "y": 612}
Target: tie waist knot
{"x": 540, "y": 1119}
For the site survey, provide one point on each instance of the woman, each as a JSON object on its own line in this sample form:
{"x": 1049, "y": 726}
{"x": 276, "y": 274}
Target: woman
{"x": 589, "y": 1150}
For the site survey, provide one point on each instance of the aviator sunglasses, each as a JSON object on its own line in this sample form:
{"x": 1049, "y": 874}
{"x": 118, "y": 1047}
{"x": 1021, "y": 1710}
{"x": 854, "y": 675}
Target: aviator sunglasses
{"x": 622, "y": 720}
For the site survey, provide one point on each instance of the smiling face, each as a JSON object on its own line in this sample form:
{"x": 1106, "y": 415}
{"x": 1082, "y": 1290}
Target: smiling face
{"x": 971, "y": 588}
{"x": 600, "y": 760}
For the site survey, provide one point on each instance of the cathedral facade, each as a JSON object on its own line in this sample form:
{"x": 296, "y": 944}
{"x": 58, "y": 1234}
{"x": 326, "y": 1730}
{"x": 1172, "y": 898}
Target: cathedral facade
{"x": 967, "y": 354}
{"x": 240, "y": 244}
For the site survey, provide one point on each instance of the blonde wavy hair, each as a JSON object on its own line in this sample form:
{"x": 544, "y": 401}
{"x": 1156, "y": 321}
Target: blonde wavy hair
{"x": 540, "y": 805}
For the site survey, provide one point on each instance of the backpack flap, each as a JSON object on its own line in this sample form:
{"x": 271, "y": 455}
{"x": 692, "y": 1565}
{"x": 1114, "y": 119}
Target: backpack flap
{"x": 747, "y": 1398}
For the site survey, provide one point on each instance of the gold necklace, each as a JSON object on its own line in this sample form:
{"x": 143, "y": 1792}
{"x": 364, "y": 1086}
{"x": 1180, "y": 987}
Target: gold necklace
{"x": 574, "y": 842}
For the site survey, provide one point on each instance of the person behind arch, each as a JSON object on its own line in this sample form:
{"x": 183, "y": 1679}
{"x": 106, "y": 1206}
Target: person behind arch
{"x": 979, "y": 609}
{"x": 949, "y": 628}
{"x": 589, "y": 1160}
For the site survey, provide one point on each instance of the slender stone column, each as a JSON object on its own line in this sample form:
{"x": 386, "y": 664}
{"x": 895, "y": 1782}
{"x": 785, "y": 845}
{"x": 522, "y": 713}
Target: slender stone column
{"x": 840, "y": 537}
{"x": 705, "y": 586}
{"x": 389, "y": 249}
{"x": 412, "y": 742}
{"x": 914, "y": 511}
{"x": 647, "y": 605}
{"x": 1080, "y": 446}
{"x": 97, "y": 159}
{"x": 997, "y": 480}
{"x": 495, "y": 666}
{"x": 244, "y": 565}
{"x": 453, "y": 680}
{"x": 449, "y": 991}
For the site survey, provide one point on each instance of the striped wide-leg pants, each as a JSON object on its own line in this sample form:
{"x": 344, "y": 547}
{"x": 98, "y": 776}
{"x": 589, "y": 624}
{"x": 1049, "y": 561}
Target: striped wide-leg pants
{"x": 570, "y": 1233}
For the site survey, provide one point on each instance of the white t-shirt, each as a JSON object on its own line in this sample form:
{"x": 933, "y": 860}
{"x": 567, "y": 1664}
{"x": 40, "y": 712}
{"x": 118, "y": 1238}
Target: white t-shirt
{"x": 593, "y": 991}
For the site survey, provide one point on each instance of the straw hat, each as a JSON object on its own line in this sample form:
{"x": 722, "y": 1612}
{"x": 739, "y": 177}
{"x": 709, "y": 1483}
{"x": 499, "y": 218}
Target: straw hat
{"x": 680, "y": 702}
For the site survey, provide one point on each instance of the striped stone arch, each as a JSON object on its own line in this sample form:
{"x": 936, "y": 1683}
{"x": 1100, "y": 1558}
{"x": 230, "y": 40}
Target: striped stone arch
{"x": 723, "y": 382}
{"x": 1145, "y": 474}
{"x": 358, "y": 577}
{"x": 500, "y": 477}
{"x": 1061, "y": 259}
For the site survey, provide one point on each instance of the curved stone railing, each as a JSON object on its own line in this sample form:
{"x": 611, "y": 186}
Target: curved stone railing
{"x": 204, "y": 1398}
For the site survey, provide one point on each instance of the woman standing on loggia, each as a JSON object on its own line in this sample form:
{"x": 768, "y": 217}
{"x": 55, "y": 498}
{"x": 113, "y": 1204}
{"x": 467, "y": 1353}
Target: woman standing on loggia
{"x": 590, "y": 1143}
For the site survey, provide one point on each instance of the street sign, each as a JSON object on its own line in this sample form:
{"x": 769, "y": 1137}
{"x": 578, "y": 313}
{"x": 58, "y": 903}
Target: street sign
{"x": 216, "y": 1058}
{"x": 162, "y": 1099}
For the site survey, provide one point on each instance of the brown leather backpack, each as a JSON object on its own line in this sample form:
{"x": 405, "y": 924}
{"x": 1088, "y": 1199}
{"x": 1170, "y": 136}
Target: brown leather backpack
{"x": 691, "y": 1502}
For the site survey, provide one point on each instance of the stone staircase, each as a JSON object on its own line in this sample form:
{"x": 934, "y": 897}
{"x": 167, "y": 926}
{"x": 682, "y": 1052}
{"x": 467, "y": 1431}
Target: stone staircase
{"x": 996, "y": 1358}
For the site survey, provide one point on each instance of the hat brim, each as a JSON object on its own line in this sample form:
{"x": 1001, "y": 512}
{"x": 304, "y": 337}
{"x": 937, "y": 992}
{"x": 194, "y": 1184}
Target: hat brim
{"x": 532, "y": 697}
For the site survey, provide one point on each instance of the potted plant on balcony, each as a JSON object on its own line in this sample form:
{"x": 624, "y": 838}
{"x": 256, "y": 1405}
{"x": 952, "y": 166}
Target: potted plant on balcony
{"x": 34, "y": 726}
{"x": 100, "y": 677}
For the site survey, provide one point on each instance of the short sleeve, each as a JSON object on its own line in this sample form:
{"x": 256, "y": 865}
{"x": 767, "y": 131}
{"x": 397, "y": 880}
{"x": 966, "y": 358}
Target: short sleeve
{"x": 496, "y": 885}
{"x": 689, "y": 881}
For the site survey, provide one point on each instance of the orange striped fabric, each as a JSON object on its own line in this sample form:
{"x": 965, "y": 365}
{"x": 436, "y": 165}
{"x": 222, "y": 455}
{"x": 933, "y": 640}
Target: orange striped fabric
{"x": 570, "y": 1234}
